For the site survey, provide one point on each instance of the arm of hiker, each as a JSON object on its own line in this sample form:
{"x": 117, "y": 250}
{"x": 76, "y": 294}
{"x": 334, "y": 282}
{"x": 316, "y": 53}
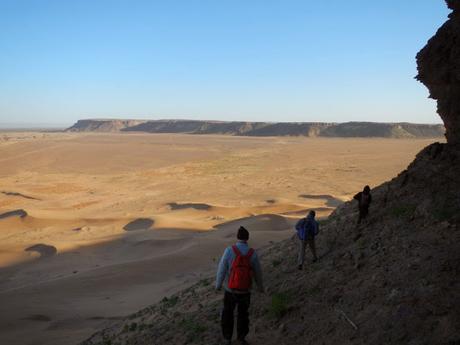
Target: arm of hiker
{"x": 316, "y": 228}
{"x": 357, "y": 196}
{"x": 222, "y": 270}
{"x": 257, "y": 269}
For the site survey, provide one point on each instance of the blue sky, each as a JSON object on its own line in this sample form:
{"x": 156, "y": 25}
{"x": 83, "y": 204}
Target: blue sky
{"x": 253, "y": 60}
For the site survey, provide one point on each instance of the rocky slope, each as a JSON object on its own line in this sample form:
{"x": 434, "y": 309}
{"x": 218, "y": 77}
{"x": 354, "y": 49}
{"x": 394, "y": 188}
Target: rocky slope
{"x": 309, "y": 129}
{"x": 392, "y": 280}
{"x": 395, "y": 277}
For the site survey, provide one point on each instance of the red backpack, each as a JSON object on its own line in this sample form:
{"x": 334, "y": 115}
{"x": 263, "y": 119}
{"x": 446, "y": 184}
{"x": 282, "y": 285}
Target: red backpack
{"x": 241, "y": 271}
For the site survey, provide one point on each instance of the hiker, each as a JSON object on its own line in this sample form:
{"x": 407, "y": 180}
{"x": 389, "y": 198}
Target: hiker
{"x": 238, "y": 265}
{"x": 364, "y": 201}
{"x": 307, "y": 228}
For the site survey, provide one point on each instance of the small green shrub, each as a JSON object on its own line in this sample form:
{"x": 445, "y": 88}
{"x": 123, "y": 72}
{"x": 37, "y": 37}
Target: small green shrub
{"x": 279, "y": 305}
{"x": 276, "y": 263}
{"x": 133, "y": 327}
{"x": 444, "y": 213}
{"x": 204, "y": 282}
{"x": 313, "y": 290}
{"x": 106, "y": 340}
{"x": 323, "y": 221}
{"x": 404, "y": 211}
{"x": 169, "y": 302}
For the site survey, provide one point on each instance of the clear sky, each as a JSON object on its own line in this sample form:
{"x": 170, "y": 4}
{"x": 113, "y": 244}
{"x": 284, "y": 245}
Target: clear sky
{"x": 256, "y": 60}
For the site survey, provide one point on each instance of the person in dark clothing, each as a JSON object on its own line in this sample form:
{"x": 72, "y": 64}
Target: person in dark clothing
{"x": 238, "y": 285}
{"x": 307, "y": 229}
{"x": 364, "y": 199}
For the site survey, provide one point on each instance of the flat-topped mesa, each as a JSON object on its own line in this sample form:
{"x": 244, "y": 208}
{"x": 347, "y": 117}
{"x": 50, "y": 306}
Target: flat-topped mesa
{"x": 439, "y": 70}
{"x": 264, "y": 129}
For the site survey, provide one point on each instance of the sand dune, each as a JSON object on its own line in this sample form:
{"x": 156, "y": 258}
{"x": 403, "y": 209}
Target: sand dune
{"x": 93, "y": 227}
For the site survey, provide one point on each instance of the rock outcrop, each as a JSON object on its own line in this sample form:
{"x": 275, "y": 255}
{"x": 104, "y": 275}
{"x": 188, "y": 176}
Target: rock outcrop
{"x": 439, "y": 69}
{"x": 264, "y": 129}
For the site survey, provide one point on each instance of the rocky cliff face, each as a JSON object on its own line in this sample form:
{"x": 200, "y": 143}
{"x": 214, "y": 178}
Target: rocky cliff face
{"x": 91, "y": 125}
{"x": 264, "y": 129}
{"x": 439, "y": 69}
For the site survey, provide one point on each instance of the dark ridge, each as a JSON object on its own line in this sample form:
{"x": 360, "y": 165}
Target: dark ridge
{"x": 139, "y": 224}
{"x": 16, "y": 213}
{"x": 197, "y": 206}
{"x": 264, "y": 129}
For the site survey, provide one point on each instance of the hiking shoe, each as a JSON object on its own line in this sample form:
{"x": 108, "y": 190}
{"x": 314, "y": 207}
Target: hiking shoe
{"x": 299, "y": 267}
{"x": 243, "y": 342}
{"x": 227, "y": 342}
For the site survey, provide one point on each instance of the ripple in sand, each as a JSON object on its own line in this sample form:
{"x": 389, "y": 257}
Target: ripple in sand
{"x": 16, "y": 213}
{"x": 43, "y": 249}
{"x": 139, "y": 224}
{"x": 196, "y": 206}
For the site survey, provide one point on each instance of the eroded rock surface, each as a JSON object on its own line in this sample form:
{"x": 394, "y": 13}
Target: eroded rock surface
{"x": 439, "y": 69}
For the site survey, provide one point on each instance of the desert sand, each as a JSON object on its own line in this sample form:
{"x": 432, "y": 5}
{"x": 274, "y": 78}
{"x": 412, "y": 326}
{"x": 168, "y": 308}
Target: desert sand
{"x": 96, "y": 226}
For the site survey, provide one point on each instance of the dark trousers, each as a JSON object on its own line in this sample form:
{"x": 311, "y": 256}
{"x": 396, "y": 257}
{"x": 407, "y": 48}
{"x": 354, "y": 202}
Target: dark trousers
{"x": 231, "y": 300}
{"x": 363, "y": 212}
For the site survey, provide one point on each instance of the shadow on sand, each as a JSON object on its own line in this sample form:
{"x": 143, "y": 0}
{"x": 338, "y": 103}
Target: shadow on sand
{"x": 330, "y": 200}
{"x": 139, "y": 224}
{"x": 16, "y": 213}
{"x": 19, "y": 194}
{"x": 196, "y": 206}
{"x": 44, "y": 250}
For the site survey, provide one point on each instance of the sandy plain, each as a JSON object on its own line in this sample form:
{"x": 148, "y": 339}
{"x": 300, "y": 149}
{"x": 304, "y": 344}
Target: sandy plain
{"x": 96, "y": 226}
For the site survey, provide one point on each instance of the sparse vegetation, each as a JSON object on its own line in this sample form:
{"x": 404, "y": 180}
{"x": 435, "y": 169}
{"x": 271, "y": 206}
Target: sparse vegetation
{"x": 279, "y": 305}
{"x": 169, "y": 302}
{"x": 313, "y": 290}
{"x": 192, "y": 329}
{"x": 403, "y": 211}
{"x": 204, "y": 282}
{"x": 444, "y": 213}
{"x": 323, "y": 221}
{"x": 276, "y": 262}
{"x": 133, "y": 327}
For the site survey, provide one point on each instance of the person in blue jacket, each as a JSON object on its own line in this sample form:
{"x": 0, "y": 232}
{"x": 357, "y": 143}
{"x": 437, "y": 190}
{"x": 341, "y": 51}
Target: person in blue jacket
{"x": 236, "y": 297}
{"x": 307, "y": 229}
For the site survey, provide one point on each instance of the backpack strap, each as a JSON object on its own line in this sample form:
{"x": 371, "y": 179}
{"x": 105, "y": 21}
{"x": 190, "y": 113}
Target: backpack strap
{"x": 236, "y": 251}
